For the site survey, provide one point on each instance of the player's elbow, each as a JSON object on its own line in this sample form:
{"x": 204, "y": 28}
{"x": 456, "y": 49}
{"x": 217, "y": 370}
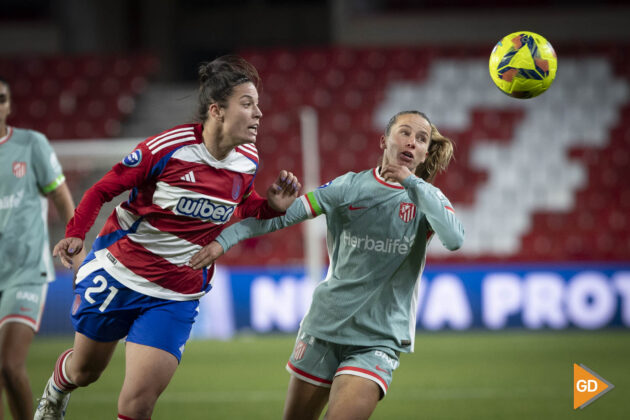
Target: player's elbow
{"x": 455, "y": 242}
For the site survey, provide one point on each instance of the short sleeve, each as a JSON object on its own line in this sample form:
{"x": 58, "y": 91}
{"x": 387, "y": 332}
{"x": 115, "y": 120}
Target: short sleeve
{"x": 48, "y": 171}
{"x": 328, "y": 196}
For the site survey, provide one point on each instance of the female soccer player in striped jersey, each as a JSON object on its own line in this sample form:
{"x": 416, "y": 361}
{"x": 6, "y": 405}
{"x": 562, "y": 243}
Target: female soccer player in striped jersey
{"x": 362, "y": 315}
{"x": 185, "y": 184}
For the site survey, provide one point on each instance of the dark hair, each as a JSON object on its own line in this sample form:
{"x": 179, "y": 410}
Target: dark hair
{"x": 4, "y": 82}
{"x": 218, "y": 78}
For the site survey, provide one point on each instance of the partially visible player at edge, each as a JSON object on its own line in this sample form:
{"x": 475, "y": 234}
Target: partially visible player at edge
{"x": 29, "y": 174}
{"x": 185, "y": 184}
{"x": 363, "y": 314}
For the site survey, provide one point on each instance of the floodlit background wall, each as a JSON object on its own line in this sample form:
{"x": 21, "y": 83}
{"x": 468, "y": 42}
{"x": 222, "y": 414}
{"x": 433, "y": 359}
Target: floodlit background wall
{"x": 541, "y": 185}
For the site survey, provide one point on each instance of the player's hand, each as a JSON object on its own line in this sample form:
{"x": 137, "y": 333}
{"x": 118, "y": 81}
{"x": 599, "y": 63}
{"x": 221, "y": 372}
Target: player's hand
{"x": 395, "y": 173}
{"x": 282, "y": 193}
{"x": 66, "y": 249}
{"x": 206, "y": 256}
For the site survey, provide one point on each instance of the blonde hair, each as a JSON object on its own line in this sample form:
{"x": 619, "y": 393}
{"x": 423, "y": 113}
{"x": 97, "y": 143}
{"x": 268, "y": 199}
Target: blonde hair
{"x": 440, "y": 155}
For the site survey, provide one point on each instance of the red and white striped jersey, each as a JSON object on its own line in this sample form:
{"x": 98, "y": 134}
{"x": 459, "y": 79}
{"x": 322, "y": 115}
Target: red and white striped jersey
{"x": 181, "y": 198}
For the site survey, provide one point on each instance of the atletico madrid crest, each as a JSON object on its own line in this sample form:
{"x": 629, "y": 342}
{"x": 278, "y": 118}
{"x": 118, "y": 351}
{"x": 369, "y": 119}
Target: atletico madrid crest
{"x": 407, "y": 212}
{"x": 300, "y": 348}
{"x": 19, "y": 169}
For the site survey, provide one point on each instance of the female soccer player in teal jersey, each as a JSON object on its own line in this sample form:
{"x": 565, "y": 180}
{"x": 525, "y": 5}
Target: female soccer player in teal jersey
{"x": 363, "y": 314}
{"x": 29, "y": 173}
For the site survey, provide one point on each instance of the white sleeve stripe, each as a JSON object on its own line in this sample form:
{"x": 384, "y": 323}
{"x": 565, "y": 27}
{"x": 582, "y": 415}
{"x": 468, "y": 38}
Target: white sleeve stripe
{"x": 250, "y": 147}
{"x": 307, "y": 206}
{"x": 244, "y": 150}
{"x": 172, "y": 143}
{"x": 169, "y": 134}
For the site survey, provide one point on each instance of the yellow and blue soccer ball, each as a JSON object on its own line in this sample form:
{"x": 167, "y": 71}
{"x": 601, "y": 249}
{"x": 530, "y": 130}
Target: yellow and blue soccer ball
{"x": 523, "y": 64}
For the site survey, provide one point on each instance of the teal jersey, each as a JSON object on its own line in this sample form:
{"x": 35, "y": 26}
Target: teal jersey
{"x": 29, "y": 170}
{"x": 377, "y": 238}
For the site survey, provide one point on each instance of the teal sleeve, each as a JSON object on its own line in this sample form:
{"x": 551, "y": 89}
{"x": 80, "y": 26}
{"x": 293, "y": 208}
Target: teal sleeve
{"x": 251, "y": 227}
{"x": 438, "y": 210}
{"x": 310, "y": 205}
{"x": 46, "y": 166}
{"x": 333, "y": 194}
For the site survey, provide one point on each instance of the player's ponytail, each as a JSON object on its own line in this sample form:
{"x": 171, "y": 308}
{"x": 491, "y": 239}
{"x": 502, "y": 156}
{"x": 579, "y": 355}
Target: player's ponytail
{"x": 439, "y": 156}
{"x": 218, "y": 78}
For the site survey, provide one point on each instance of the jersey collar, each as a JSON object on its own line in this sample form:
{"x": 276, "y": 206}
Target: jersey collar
{"x": 8, "y": 136}
{"x": 377, "y": 175}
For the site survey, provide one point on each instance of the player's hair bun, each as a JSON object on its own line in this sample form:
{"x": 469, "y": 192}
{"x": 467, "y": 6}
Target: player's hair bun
{"x": 218, "y": 78}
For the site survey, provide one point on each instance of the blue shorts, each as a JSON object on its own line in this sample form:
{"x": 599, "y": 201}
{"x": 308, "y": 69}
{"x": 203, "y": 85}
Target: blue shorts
{"x": 106, "y": 310}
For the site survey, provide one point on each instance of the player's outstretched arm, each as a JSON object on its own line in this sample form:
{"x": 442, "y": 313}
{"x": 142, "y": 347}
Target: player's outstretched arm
{"x": 62, "y": 199}
{"x": 247, "y": 228}
{"x": 66, "y": 249}
{"x": 206, "y": 256}
{"x": 282, "y": 193}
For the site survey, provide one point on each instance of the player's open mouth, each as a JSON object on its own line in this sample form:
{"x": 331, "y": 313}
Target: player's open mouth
{"x": 253, "y": 129}
{"x": 406, "y": 156}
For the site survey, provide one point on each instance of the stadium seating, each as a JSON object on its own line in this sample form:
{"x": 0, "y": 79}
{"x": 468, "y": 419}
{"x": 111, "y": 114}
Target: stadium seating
{"x": 346, "y": 85}
{"x": 75, "y": 97}
{"x": 570, "y": 202}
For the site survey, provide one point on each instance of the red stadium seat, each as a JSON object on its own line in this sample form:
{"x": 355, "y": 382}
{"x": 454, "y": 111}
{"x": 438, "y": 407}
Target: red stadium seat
{"x": 74, "y": 96}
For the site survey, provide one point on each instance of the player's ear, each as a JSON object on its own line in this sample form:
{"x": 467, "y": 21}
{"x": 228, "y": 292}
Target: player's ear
{"x": 215, "y": 111}
{"x": 383, "y": 142}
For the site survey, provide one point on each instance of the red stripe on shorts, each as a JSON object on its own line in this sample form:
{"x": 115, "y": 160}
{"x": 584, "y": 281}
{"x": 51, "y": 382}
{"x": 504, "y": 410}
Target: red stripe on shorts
{"x": 365, "y": 372}
{"x": 308, "y": 375}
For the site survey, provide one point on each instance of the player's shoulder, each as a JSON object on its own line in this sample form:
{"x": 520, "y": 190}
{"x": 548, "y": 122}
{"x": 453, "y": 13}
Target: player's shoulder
{"x": 342, "y": 181}
{"x": 173, "y": 138}
{"x": 163, "y": 144}
{"x": 27, "y": 136}
{"x": 243, "y": 159}
{"x": 248, "y": 151}
{"x": 353, "y": 178}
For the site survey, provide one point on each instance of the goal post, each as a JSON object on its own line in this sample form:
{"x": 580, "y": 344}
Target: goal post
{"x": 313, "y": 229}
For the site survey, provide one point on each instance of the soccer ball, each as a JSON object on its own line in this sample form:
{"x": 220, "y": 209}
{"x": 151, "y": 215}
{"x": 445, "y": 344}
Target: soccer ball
{"x": 523, "y": 64}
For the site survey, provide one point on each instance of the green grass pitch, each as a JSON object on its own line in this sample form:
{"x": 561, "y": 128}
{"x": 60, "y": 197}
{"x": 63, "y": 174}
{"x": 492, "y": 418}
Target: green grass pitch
{"x": 470, "y": 375}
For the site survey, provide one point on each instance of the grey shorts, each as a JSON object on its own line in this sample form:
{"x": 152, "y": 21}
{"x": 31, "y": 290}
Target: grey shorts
{"x": 23, "y": 303}
{"x": 318, "y": 361}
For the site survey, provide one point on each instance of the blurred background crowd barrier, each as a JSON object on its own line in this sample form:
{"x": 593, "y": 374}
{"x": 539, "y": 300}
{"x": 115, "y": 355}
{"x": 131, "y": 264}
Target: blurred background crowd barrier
{"x": 541, "y": 185}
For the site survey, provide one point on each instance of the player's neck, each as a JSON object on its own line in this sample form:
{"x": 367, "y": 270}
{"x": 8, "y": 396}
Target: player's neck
{"x": 215, "y": 142}
{"x": 3, "y": 130}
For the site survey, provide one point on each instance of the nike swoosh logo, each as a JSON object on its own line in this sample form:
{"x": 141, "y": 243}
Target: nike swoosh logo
{"x": 350, "y": 207}
{"x": 377, "y": 367}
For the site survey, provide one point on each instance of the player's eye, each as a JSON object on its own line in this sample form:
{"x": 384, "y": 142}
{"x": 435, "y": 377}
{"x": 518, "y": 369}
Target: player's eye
{"x": 3, "y": 99}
